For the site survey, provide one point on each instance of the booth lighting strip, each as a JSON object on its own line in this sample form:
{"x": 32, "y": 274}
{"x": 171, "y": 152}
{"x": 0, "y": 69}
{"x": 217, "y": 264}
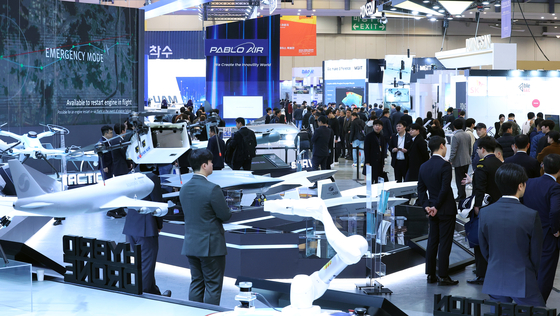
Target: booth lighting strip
{"x": 256, "y": 219}
{"x": 241, "y": 247}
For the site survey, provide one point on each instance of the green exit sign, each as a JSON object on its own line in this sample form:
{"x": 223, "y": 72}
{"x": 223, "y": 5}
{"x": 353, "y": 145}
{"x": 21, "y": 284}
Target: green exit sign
{"x": 359, "y": 24}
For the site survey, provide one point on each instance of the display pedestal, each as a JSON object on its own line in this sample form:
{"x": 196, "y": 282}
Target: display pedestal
{"x": 15, "y": 286}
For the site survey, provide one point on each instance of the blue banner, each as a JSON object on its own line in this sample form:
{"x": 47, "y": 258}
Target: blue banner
{"x": 506, "y": 18}
{"x": 236, "y": 47}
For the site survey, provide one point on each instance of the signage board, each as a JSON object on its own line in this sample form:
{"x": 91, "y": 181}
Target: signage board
{"x": 506, "y": 18}
{"x": 478, "y": 43}
{"x": 345, "y": 69}
{"x": 368, "y": 10}
{"x": 359, "y": 24}
{"x": 236, "y": 47}
{"x": 298, "y": 35}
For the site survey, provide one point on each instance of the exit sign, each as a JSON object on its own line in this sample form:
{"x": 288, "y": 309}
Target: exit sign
{"x": 359, "y": 24}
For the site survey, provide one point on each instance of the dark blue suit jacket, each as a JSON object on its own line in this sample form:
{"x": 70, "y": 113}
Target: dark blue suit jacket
{"x": 434, "y": 178}
{"x": 510, "y": 239}
{"x": 145, "y": 225}
{"x": 321, "y": 140}
{"x": 530, "y": 164}
{"x": 543, "y": 195}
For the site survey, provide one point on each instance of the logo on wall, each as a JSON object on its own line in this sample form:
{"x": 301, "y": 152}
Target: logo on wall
{"x": 525, "y": 87}
{"x": 536, "y": 103}
{"x": 236, "y": 47}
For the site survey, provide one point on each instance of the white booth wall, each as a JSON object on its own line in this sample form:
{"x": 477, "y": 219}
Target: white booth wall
{"x": 488, "y": 97}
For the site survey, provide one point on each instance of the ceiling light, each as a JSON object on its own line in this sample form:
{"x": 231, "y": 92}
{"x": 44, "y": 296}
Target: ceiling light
{"x": 542, "y": 17}
{"x": 450, "y": 18}
{"x": 555, "y": 17}
{"x": 314, "y": 10}
{"x": 298, "y": 14}
{"x": 426, "y": 1}
{"x": 470, "y": 12}
{"x": 429, "y": 15}
{"x": 553, "y": 14}
{"x": 393, "y": 9}
{"x": 436, "y": 7}
{"x": 433, "y": 19}
{"x": 485, "y": 2}
{"x": 414, "y": 12}
{"x": 484, "y": 12}
{"x": 417, "y": 18}
{"x": 556, "y": 27}
{"x": 497, "y": 4}
{"x": 441, "y": 10}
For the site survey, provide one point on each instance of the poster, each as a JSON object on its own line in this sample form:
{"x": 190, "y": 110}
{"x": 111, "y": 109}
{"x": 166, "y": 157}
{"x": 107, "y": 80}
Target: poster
{"x": 298, "y": 36}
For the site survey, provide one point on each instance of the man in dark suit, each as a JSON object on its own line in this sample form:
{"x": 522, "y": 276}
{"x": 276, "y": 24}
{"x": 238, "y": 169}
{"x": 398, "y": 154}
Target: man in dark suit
{"x": 483, "y": 183}
{"x": 387, "y": 129}
{"x": 449, "y": 118}
{"x": 374, "y": 151}
{"x": 106, "y": 159}
{"x": 543, "y": 195}
{"x": 143, "y": 230}
{"x": 119, "y": 166}
{"x": 510, "y": 239}
{"x": 530, "y": 164}
{"x": 417, "y": 153}
{"x": 398, "y": 146}
{"x": 217, "y": 147}
{"x": 406, "y": 118}
{"x": 205, "y": 243}
{"x": 435, "y": 178}
{"x": 321, "y": 141}
{"x": 243, "y": 145}
{"x": 462, "y": 118}
{"x": 507, "y": 139}
{"x": 268, "y": 116}
{"x": 396, "y": 117}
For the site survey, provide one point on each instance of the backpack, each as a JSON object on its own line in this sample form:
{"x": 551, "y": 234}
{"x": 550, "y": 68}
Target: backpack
{"x": 249, "y": 145}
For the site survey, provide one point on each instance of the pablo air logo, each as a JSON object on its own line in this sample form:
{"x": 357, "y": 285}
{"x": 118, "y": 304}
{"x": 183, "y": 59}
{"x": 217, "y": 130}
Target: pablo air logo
{"x": 525, "y": 87}
{"x": 248, "y": 48}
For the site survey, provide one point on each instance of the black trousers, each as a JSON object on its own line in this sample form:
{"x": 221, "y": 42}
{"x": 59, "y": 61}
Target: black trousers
{"x": 440, "y": 240}
{"x": 207, "y": 279}
{"x": 149, "y": 247}
{"x": 549, "y": 262}
{"x": 246, "y": 165}
{"x": 459, "y": 176}
{"x": 480, "y": 262}
{"x": 340, "y": 149}
{"x": 400, "y": 170}
{"x": 348, "y": 146}
{"x": 319, "y": 161}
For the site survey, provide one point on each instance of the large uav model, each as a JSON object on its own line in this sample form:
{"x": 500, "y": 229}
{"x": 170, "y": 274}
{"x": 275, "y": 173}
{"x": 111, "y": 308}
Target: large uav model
{"x": 38, "y": 196}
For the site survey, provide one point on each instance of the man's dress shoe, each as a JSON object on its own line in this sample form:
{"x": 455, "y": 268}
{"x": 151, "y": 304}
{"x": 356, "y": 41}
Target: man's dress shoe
{"x": 447, "y": 281}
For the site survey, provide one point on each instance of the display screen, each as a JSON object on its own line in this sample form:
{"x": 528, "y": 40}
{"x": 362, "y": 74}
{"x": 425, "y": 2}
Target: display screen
{"x": 397, "y": 95}
{"x": 350, "y": 96}
{"x": 235, "y": 107}
{"x": 298, "y": 35}
{"x": 67, "y": 63}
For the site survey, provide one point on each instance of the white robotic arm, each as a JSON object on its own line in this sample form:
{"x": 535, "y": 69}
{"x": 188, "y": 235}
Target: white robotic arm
{"x": 305, "y": 289}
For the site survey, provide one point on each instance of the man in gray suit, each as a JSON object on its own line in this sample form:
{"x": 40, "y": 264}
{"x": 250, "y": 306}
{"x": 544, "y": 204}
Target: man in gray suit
{"x": 205, "y": 210}
{"x": 510, "y": 238}
{"x": 460, "y": 157}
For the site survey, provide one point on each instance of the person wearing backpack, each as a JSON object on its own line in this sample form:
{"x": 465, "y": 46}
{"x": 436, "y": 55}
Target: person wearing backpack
{"x": 242, "y": 146}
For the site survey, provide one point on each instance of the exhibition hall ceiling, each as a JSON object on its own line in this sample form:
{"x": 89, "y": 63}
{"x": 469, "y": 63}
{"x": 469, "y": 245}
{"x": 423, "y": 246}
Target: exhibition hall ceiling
{"x": 537, "y": 11}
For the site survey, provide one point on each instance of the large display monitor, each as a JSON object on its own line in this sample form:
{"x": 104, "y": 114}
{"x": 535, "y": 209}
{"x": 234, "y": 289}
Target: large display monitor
{"x": 67, "y": 63}
{"x": 242, "y": 106}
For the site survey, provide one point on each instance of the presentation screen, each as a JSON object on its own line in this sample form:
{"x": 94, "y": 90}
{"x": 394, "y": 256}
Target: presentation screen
{"x": 350, "y": 96}
{"x": 67, "y": 63}
{"x": 243, "y": 106}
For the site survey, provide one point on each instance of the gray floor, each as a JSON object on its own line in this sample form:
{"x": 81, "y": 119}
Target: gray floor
{"x": 410, "y": 291}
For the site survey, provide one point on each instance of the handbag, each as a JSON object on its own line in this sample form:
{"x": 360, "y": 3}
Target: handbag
{"x": 471, "y": 229}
